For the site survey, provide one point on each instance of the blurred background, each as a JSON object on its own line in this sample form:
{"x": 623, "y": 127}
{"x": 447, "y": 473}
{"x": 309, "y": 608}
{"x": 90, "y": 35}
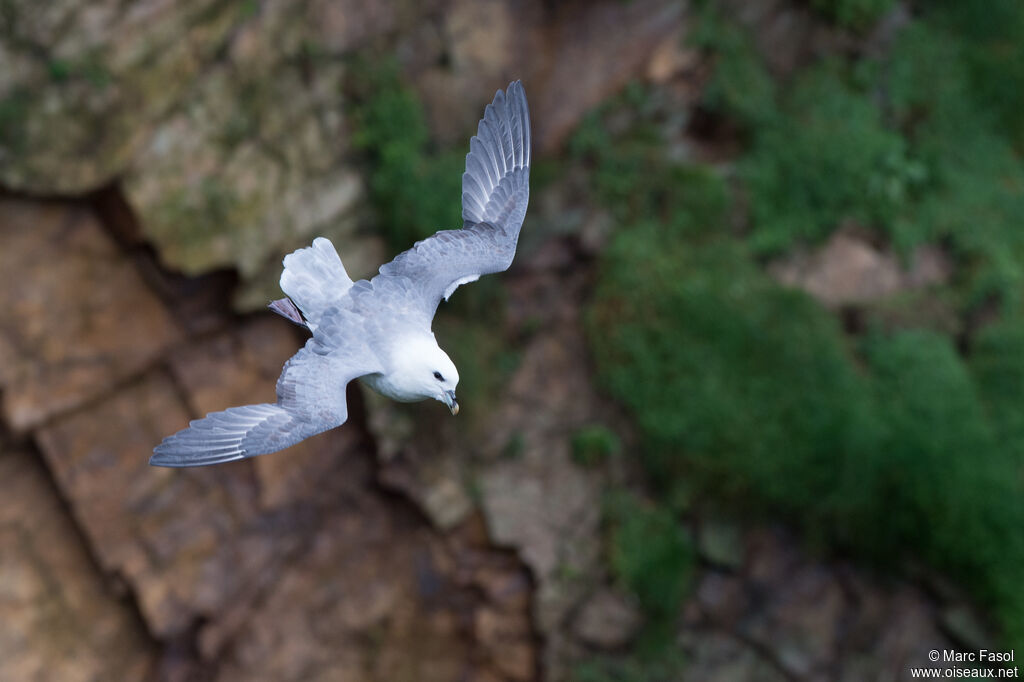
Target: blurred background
{"x": 748, "y": 406}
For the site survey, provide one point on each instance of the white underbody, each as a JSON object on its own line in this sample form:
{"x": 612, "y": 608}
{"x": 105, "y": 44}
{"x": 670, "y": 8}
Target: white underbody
{"x": 386, "y": 386}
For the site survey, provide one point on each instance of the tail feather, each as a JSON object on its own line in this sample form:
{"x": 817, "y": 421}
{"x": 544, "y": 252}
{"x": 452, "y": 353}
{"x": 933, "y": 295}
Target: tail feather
{"x": 286, "y": 309}
{"x": 314, "y": 278}
{"x": 235, "y": 433}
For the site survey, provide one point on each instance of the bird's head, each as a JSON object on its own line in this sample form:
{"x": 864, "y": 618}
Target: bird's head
{"x": 430, "y": 373}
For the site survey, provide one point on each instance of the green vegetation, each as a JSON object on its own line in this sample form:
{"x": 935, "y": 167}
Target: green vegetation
{"x": 416, "y": 189}
{"x": 629, "y": 171}
{"x": 668, "y": 666}
{"x": 652, "y": 556}
{"x": 858, "y": 15}
{"x": 594, "y": 444}
{"x": 717, "y": 362}
{"x": 917, "y": 145}
{"x": 892, "y": 445}
{"x": 15, "y": 109}
{"x": 993, "y": 55}
{"x": 823, "y": 157}
{"x": 740, "y": 86}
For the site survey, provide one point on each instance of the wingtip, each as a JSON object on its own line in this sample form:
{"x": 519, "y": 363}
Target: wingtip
{"x": 158, "y": 458}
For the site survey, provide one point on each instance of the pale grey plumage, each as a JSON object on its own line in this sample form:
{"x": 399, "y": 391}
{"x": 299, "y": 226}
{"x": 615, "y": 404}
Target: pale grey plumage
{"x": 379, "y": 329}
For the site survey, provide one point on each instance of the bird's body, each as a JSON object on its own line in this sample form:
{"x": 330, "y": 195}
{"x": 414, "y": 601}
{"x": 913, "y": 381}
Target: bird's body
{"x": 378, "y": 330}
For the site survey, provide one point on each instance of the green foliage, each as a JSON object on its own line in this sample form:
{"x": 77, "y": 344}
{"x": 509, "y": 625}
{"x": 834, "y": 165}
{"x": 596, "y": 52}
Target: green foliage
{"x": 15, "y": 108}
{"x": 719, "y": 364}
{"x": 623, "y": 146}
{"x": 593, "y": 444}
{"x": 89, "y": 68}
{"x": 997, "y": 362}
{"x": 827, "y": 157}
{"x": 415, "y": 188}
{"x": 740, "y": 86}
{"x": 992, "y": 35}
{"x": 858, "y": 15}
{"x": 651, "y": 554}
{"x": 952, "y": 489}
{"x": 975, "y": 193}
{"x": 749, "y": 393}
{"x": 748, "y": 390}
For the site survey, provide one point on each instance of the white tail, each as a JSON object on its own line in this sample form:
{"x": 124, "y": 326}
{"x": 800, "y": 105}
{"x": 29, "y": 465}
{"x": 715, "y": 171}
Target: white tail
{"x": 314, "y": 278}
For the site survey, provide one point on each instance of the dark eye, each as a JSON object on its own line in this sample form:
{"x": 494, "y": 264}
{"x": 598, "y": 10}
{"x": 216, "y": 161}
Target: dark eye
{"x": 437, "y": 375}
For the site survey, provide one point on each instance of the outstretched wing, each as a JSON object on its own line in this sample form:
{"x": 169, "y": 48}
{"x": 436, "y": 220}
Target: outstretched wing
{"x": 310, "y": 399}
{"x": 495, "y": 193}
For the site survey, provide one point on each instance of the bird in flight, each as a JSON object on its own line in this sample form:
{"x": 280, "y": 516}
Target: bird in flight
{"x": 378, "y": 330}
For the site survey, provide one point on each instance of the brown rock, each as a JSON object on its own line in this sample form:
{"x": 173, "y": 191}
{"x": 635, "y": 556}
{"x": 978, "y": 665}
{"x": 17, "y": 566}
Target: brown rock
{"x": 190, "y": 543}
{"x": 787, "y": 34}
{"x": 60, "y": 621}
{"x": 848, "y": 269}
{"x": 571, "y": 57}
{"x": 534, "y": 499}
{"x": 790, "y": 616}
{"x": 368, "y": 602}
{"x": 720, "y": 657}
{"x": 607, "y": 620}
{"x": 241, "y": 367}
{"x": 590, "y": 51}
{"x": 77, "y": 316}
{"x": 506, "y": 639}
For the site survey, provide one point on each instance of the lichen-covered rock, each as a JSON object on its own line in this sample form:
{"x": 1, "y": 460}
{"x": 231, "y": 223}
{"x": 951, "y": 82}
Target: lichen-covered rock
{"x": 224, "y": 119}
{"x": 77, "y": 317}
{"x": 60, "y": 621}
{"x": 81, "y": 84}
{"x": 253, "y": 165}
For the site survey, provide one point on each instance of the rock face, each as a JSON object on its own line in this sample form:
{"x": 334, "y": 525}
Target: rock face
{"x": 849, "y": 269}
{"x": 60, "y": 621}
{"x": 226, "y": 121}
{"x": 254, "y": 161}
{"x": 378, "y": 598}
{"x": 608, "y": 620}
{"x": 783, "y": 616}
{"x": 77, "y": 316}
{"x": 82, "y": 85}
{"x": 223, "y": 126}
{"x": 515, "y": 456}
{"x": 294, "y": 566}
{"x": 195, "y": 543}
{"x": 571, "y": 56}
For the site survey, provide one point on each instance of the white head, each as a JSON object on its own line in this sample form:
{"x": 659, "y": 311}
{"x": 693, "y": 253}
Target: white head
{"x": 422, "y": 370}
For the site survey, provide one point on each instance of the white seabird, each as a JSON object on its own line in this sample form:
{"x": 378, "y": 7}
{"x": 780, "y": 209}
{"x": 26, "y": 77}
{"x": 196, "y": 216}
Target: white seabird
{"x": 378, "y": 330}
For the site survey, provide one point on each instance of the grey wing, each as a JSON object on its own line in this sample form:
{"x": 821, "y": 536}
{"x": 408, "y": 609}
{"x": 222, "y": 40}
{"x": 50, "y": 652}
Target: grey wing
{"x": 495, "y": 194}
{"x": 310, "y": 399}
{"x": 496, "y": 184}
